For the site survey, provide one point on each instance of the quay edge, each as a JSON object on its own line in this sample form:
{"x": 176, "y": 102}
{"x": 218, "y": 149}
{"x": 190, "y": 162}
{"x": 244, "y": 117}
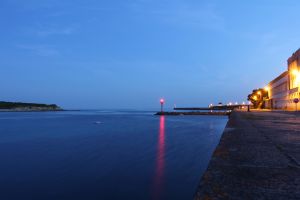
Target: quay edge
{"x": 256, "y": 158}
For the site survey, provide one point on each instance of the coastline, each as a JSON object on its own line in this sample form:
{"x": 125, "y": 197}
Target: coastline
{"x": 256, "y": 155}
{"x": 6, "y": 106}
{"x": 30, "y": 110}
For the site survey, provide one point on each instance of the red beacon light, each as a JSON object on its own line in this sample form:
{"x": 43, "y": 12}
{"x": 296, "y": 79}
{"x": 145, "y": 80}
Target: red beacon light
{"x": 162, "y": 101}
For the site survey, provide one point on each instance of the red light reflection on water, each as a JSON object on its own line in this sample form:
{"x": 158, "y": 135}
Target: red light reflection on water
{"x": 160, "y": 160}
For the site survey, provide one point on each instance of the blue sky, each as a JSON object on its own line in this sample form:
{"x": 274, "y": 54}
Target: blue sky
{"x": 129, "y": 53}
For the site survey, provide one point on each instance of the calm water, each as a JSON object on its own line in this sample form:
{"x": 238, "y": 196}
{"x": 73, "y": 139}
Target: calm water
{"x": 104, "y": 155}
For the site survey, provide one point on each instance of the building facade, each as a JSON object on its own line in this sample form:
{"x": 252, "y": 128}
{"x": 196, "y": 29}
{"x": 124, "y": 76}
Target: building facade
{"x": 285, "y": 88}
{"x": 294, "y": 78}
{"x": 278, "y": 92}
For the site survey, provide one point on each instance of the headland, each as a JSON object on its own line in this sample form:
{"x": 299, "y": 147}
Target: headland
{"x": 27, "y": 107}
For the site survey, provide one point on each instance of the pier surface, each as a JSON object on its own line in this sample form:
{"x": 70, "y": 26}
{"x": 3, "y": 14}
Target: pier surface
{"x": 258, "y": 157}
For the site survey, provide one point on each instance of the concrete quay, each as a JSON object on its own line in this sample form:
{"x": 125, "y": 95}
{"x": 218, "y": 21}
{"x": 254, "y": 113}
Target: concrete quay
{"x": 258, "y": 157}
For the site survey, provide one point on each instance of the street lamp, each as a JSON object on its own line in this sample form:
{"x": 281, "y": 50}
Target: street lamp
{"x": 162, "y": 101}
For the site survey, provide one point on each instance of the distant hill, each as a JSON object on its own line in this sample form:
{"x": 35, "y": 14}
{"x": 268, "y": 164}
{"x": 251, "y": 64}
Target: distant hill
{"x": 20, "y": 106}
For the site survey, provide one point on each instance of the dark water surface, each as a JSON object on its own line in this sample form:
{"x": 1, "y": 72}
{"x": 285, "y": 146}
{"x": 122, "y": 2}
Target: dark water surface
{"x": 104, "y": 155}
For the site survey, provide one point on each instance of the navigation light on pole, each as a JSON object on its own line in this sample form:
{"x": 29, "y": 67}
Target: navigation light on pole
{"x": 162, "y": 101}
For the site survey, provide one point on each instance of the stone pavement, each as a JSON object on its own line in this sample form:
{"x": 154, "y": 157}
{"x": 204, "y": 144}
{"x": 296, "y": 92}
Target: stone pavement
{"x": 258, "y": 157}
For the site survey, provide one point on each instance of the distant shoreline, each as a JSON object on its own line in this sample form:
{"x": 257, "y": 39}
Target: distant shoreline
{"x": 27, "y": 107}
{"x": 30, "y": 110}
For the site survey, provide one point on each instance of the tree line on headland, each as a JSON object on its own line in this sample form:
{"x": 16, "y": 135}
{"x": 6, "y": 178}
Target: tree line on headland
{"x": 27, "y": 106}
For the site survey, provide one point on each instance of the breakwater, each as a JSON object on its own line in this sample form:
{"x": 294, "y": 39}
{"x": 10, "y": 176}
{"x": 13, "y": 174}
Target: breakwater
{"x": 195, "y": 113}
{"x": 257, "y": 158}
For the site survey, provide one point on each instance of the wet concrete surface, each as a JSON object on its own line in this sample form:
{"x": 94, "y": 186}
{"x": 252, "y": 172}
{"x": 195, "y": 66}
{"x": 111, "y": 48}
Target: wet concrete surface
{"x": 258, "y": 157}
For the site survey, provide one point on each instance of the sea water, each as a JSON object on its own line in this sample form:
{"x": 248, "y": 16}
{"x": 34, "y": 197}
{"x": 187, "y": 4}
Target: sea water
{"x": 104, "y": 155}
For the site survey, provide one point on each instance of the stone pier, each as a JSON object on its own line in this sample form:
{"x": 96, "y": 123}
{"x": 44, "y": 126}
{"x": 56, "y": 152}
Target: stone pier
{"x": 258, "y": 157}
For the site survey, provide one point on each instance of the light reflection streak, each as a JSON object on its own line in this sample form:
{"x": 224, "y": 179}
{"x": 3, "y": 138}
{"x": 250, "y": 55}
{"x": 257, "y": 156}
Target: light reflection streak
{"x": 160, "y": 161}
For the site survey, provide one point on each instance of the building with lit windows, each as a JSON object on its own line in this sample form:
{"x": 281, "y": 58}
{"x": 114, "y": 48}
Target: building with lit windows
{"x": 294, "y": 78}
{"x": 285, "y": 88}
{"x": 278, "y": 92}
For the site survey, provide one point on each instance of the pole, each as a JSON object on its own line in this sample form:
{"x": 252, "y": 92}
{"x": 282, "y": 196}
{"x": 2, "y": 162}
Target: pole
{"x": 161, "y": 107}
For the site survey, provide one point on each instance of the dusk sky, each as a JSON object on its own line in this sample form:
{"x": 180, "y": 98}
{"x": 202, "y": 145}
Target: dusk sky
{"x": 129, "y": 53}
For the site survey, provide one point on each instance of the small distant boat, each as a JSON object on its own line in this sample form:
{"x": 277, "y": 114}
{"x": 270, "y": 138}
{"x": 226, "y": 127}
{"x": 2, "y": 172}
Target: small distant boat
{"x": 97, "y": 122}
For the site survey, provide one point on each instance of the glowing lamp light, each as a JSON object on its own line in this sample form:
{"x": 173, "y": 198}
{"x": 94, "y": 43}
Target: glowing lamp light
{"x": 255, "y": 97}
{"x": 259, "y": 92}
{"x": 162, "y": 101}
{"x": 295, "y": 72}
{"x": 296, "y": 75}
{"x": 267, "y": 88}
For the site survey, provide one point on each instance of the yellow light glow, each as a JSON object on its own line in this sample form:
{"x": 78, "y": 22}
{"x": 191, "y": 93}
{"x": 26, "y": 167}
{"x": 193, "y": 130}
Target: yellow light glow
{"x": 255, "y": 97}
{"x": 259, "y": 92}
{"x": 267, "y": 88}
{"x": 295, "y": 72}
{"x": 295, "y": 78}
